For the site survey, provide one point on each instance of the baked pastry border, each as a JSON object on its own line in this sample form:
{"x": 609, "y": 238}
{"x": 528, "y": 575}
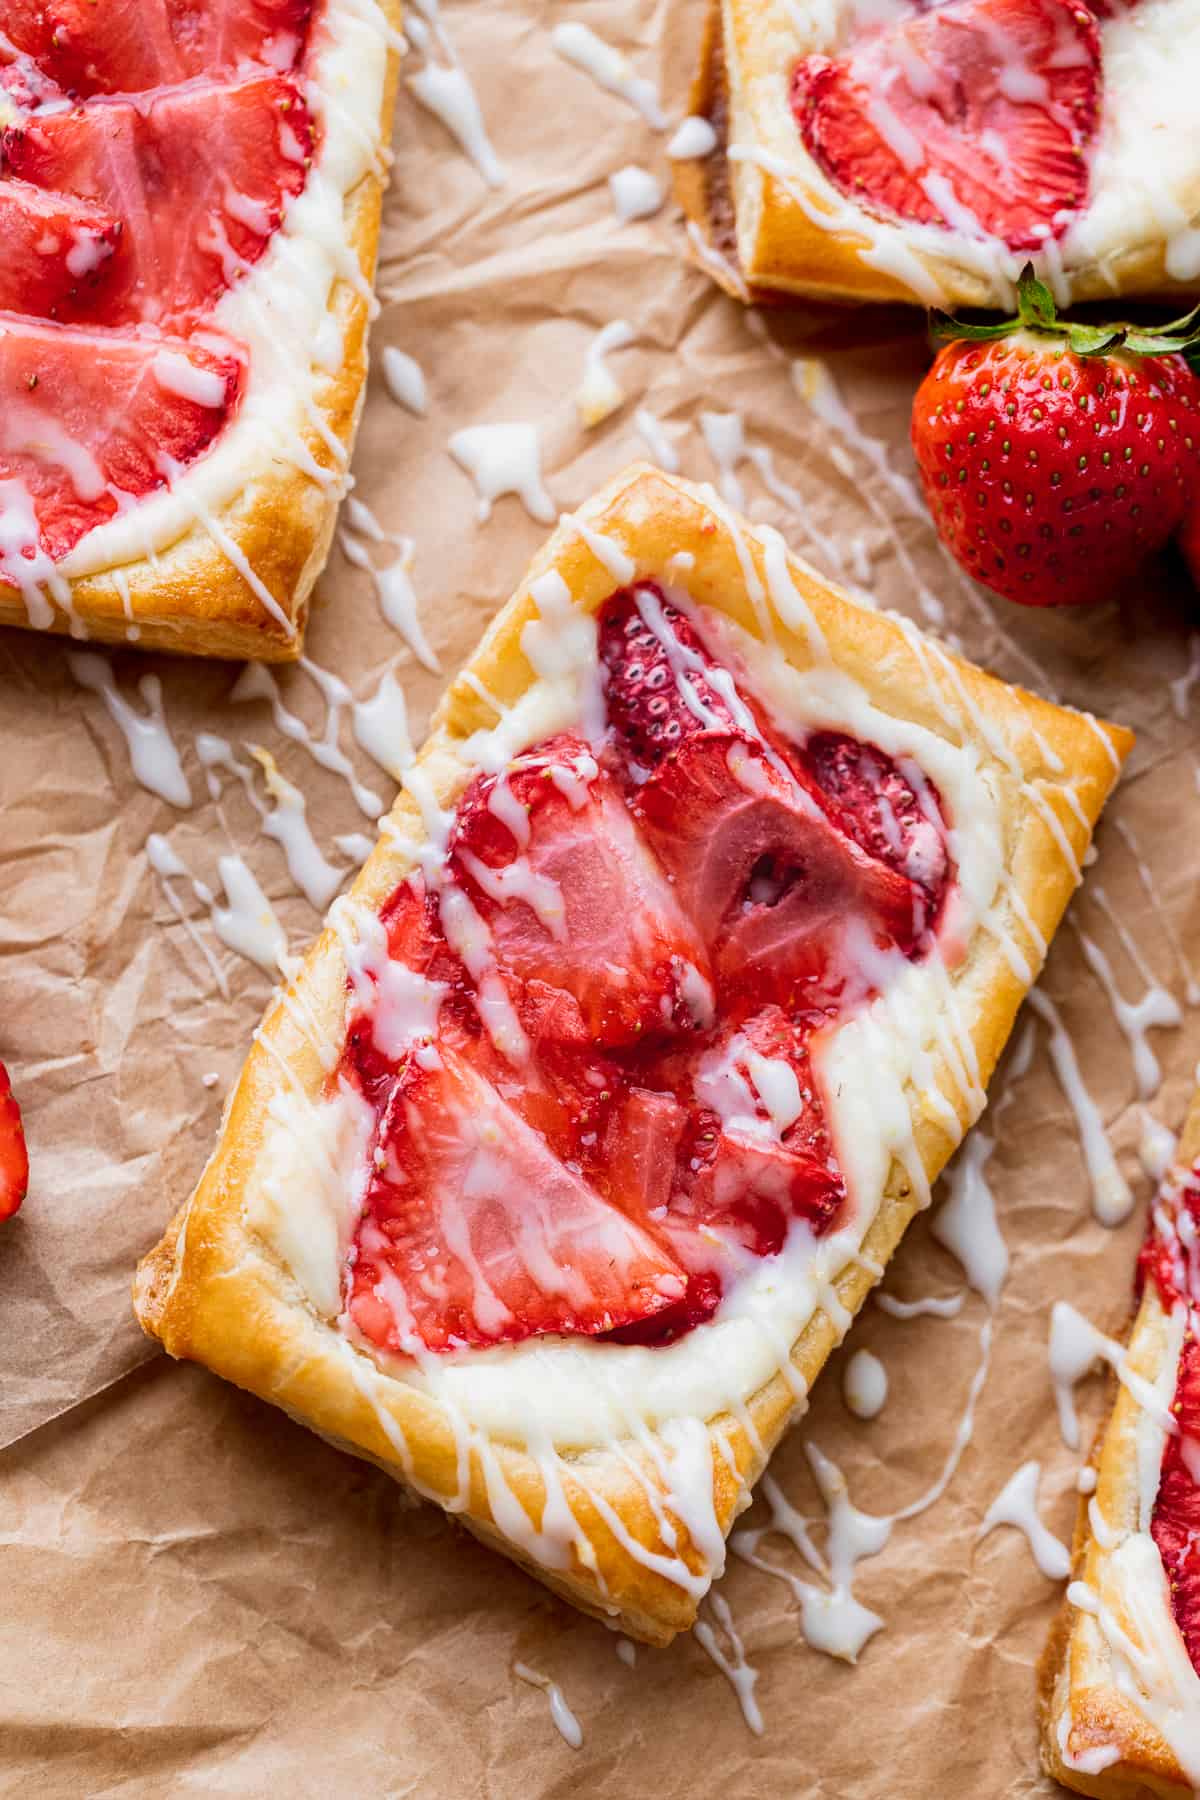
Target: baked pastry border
{"x": 190, "y": 599}
{"x": 758, "y": 242}
{"x": 211, "y": 1291}
{"x": 1075, "y": 1671}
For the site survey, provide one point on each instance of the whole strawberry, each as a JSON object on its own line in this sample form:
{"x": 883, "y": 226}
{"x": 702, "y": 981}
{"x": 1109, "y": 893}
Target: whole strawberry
{"x": 1057, "y": 457}
{"x": 14, "y": 1158}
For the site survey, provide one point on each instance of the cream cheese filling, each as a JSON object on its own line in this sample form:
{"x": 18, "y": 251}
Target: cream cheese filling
{"x": 875, "y": 1071}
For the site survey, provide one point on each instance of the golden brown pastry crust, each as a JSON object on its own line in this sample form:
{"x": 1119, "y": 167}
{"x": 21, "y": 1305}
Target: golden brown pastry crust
{"x": 213, "y": 1292}
{"x": 191, "y": 600}
{"x": 1075, "y": 1675}
{"x": 778, "y": 250}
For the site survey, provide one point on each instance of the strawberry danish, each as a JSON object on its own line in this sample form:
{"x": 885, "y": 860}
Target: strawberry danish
{"x": 915, "y": 150}
{"x": 190, "y": 214}
{"x": 1120, "y": 1677}
{"x": 679, "y": 971}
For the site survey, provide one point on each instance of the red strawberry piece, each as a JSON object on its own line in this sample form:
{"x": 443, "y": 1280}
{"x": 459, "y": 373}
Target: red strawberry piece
{"x": 199, "y": 177}
{"x": 977, "y": 115}
{"x": 640, "y": 1147}
{"x": 770, "y": 882}
{"x": 893, "y": 814}
{"x": 1057, "y": 457}
{"x": 760, "y": 1153}
{"x": 56, "y": 248}
{"x": 85, "y": 418}
{"x": 14, "y": 1157}
{"x": 657, "y": 682}
{"x": 1175, "y": 1525}
{"x": 579, "y": 915}
{"x": 474, "y": 1233}
{"x": 117, "y": 46}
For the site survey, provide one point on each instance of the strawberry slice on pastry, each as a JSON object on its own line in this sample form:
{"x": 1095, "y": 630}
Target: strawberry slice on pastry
{"x": 57, "y": 249}
{"x": 774, "y": 855}
{"x": 198, "y": 176}
{"x": 128, "y": 46}
{"x": 977, "y": 115}
{"x": 474, "y": 1233}
{"x": 89, "y": 419}
{"x": 578, "y": 910}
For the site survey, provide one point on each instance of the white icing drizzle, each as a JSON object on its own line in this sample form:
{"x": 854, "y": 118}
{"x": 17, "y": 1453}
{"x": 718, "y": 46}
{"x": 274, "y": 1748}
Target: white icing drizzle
{"x": 1016, "y": 1505}
{"x": 931, "y": 1306}
{"x": 504, "y": 459}
{"x": 287, "y": 823}
{"x": 381, "y": 726}
{"x": 654, "y": 436}
{"x": 169, "y": 867}
{"x": 246, "y": 922}
{"x": 635, "y": 193}
{"x": 405, "y": 380}
{"x": 562, "y": 1718}
{"x": 256, "y": 682}
{"x": 354, "y": 845}
{"x": 727, "y": 273}
{"x": 864, "y": 1385}
{"x": 627, "y": 1652}
{"x": 445, "y": 90}
{"x": 392, "y": 583}
{"x": 1134, "y": 1017}
{"x": 1075, "y": 1347}
{"x": 738, "y": 1672}
{"x": 153, "y": 755}
{"x": 1112, "y": 1197}
{"x": 599, "y": 393}
{"x": 693, "y": 137}
{"x": 609, "y": 69}
{"x": 966, "y": 1221}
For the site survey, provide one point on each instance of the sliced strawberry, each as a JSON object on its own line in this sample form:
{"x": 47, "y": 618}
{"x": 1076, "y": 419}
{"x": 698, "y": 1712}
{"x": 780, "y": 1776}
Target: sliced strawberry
{"x": 129, "y": 46}
{"x": 199, "y": 177}
{"x": 56, "y": 248}
{"x": 86, "y": 419}
{"x": 761, "y": 1155}
{"x": 978, "y": 115}
{"x": 657, "y": 677}
{"x": 771, "y": 884}
{"x": 473, "y": 1233}
{"x": 893, "y": 814}
{"x": 577, "y": 910}
{"x": 14, "y": 1157}
{"x": 639, "y": 1151}
{"x": 1175, "y": 1525}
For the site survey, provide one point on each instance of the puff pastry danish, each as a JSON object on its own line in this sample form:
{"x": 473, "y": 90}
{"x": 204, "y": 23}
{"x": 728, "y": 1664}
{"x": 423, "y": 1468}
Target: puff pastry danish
{"x": 888, "y": 150}
{"x": 678, "y": 972}
{"x": 190, "y": 202}
{"x": 1120, "y": 1677}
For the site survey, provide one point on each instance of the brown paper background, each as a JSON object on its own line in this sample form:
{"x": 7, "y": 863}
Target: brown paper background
{"x": 195, "y": 1595}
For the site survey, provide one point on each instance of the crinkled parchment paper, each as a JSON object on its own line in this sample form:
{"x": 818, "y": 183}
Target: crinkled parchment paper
{"x": 198, "y": 1596}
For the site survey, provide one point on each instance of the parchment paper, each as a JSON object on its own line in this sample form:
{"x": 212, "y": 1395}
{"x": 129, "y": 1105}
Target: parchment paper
{"x": 197, "y": 1595}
